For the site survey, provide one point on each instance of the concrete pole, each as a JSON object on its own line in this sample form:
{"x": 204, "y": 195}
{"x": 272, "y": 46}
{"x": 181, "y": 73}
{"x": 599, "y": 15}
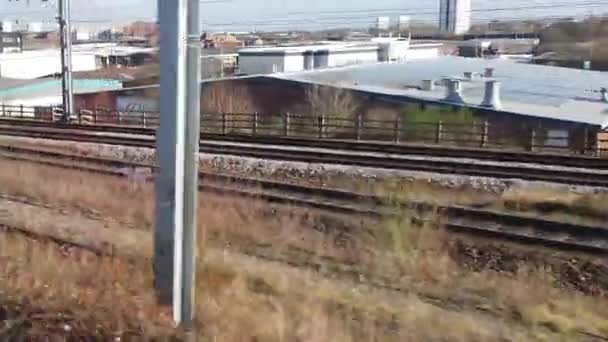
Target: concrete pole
{"x": 177, "y": 154}
{"x": 65, "y": 38}
{"x": 192, "y": 132}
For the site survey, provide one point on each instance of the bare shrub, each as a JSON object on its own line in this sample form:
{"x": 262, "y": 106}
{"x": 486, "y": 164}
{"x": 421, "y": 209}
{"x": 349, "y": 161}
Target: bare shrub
{"x": 231, "y": 99}
{"x": 336, "y": 105}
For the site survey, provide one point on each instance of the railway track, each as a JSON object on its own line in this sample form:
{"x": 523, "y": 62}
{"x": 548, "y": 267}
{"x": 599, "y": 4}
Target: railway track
{"x": 467, "y": 220}
{"x": 285, "y": 152}
{"x": 350, "y": 145}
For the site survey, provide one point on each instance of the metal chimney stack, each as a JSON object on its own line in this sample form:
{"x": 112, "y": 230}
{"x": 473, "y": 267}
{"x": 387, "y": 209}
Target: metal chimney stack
{"x": 492, "y": 95}
{"x": 454, "y": 91}
{"x": 428, "y": 85}
{"x": 489, "y": 73}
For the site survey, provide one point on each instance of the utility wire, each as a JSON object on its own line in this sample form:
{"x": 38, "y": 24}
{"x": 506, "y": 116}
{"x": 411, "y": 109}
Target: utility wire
{"x": 366, "y": 20}
{"x": 320, "y": 18}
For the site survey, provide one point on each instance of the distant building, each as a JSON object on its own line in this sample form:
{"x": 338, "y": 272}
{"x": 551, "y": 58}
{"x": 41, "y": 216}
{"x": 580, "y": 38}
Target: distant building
{"x": 309, "y": 57}
{"x": 140, "y": 29}
{"x": 14, "y": 26}
{"x": 383, "y": 23}
{"x": 455, "y": 16}
{"x": 123, "y": 56}
{"x": 298, "y": 58}
{"x": 221, "y": 41}
{"x": 46, "y": 91}
{"x": 42, "y": 26}
{"x": 404, "y": 22}
{"x": 11, "y": 42}
{"x": 15, "y": 16}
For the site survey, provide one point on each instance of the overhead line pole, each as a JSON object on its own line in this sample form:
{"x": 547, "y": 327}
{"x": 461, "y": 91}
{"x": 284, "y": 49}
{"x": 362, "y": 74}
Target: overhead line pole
{"x": 177, "y": 154}
{"x": 65, "y": 40}
{"x": 192, "y": 135}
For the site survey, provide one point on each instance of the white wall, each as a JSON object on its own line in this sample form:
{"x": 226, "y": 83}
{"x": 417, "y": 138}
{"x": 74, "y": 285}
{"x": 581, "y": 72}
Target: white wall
{"x": 137, "y": 103}
{"x": 425, "y": 53}
{"x": 29, "y": 66}
{"x": 294, "y": 63}
{"x": 32, "y": 102}
{"x": 343, "y": 59}
{"x": 398, "y": 49}
{"x": 261, "y": 64}
{"x": 83, "y": 35}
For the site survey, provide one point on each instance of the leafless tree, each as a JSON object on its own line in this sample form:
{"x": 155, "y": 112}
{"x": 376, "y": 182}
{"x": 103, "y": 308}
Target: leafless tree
{"x": 337, "y": 106}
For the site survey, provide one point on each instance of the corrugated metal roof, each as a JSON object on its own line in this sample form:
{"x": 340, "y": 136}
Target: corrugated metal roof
{"x": 535, "y": 90}
{"x": 50, "y": 87}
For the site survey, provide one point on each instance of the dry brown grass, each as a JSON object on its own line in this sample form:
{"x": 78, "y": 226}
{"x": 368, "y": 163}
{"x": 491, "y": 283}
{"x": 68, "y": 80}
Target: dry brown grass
{"x": 240, "y": 299}
{"x": 557, "y": 204}
{"x": 243, "y": 298}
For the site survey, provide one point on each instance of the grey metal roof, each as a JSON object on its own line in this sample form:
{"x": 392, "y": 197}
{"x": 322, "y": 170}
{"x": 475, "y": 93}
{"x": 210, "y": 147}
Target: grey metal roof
{"x": 535, "y": 90}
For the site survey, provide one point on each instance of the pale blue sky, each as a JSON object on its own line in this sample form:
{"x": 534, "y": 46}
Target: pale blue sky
{"x": 237, "y": 15}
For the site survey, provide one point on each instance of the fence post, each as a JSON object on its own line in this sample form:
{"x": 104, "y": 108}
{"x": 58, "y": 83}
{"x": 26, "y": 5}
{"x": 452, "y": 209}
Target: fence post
{"x": 598, "y": 145}
{"x": 320, "y": 124}
{"x": 484, "y": 134}
{"x": 223, "y": 123}
{"x": 359, "y": 125}
{"x": 397, "y": 128}
{"x": 21, "y": 111}
{"x": 532, "y": 140}
{"x": 286, "y": 122}
{"x": 438, "y": 132}
{"x": 255, "y": 123}
{"x": 586, "y": 141}
{"x": 80, "y": 117}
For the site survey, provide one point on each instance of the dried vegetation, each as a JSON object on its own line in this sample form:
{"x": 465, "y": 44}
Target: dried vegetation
{"x": 328, "y": 291}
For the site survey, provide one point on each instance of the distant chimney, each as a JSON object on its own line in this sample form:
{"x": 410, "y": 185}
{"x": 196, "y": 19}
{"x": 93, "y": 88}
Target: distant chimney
{"x": 492, "y": 95}
{"x": 489, "y": 73}
{"x": 454, "y": 92}
{"x": 428, "y": 85}
{"x": 471, "y": 76}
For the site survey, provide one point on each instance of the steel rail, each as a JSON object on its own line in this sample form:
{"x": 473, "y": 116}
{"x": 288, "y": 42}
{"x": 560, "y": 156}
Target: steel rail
{"x": 352, "y": 145}
{"x": 336, "y": 157}
{"x": 473, "y": 221}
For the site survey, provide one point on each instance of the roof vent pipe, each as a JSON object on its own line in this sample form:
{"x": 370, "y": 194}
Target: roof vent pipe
{"x": 428, "y": 85}
{"x": 454, "y": 92}
{"x": 492, "y": 95}
{"x": 489, "y": 72}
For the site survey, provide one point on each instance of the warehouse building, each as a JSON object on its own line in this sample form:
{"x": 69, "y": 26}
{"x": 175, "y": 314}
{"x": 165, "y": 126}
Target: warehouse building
{"x": 254, "y": 61}
{"x": 47, "y": 91}
{"x": 566, "y": 107}
{"x": 85, "y": 57}
{"x": 298, "y": 58}
{"x": 455, "y": 16}
{"x": 501, "y": 85}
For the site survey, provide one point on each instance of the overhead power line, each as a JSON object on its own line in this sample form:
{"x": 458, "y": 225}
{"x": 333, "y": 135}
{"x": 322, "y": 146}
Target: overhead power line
{"x": 329, "y": 19}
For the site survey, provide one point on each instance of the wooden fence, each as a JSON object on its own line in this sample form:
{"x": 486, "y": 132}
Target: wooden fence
{"x": 475, "y": 134}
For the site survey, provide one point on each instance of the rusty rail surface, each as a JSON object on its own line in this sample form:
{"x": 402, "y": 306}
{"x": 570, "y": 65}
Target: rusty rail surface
{"x": 284, "y": 151}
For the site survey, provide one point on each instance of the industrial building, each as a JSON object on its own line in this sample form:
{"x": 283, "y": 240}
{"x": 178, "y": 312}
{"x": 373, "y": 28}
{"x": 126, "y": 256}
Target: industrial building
{"x": 566, "y": 106}
{"x": 309, "y": 57}
{"x": 404, "y": 22}
{"x": 298, "y": 58}
{"x": 383, "y": 23}
{"x": 47, "y": 91}
{"x": 86, "y": 57}
{"x": 455, "y": 16}
{"x": 510, "y": 94}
